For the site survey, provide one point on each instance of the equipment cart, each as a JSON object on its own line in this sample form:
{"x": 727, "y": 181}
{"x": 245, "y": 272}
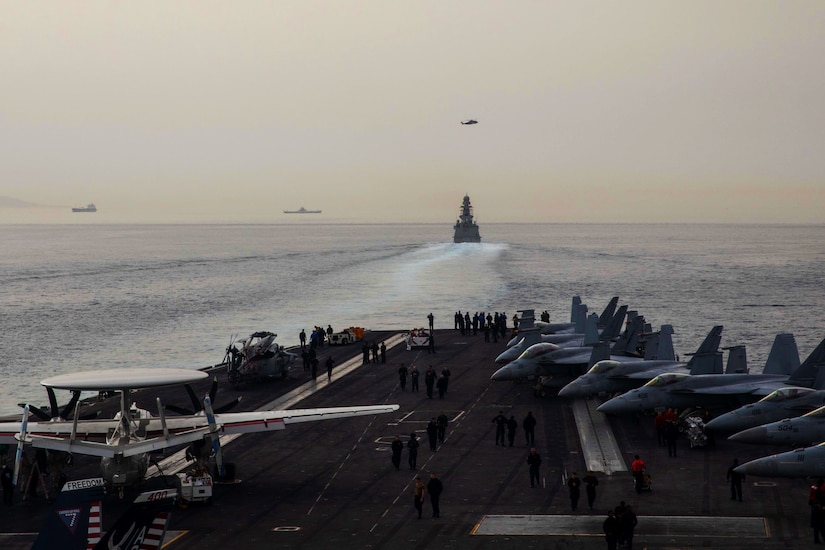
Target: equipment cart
{"x": 195, "y": 488}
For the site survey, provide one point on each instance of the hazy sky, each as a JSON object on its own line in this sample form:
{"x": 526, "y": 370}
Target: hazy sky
{"x": 163, "y": 111}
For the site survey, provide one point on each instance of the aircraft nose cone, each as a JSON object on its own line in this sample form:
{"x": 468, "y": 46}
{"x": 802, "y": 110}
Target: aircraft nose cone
{"x": 758, "y": 434}
{"x": 504, "y": 373}
{"x": 767, "y": 467}
{"x": 616, "y": 405}
{"x": 571, "y": 390}
{"x": 723, "y": 423}
{"x": 505, "y": 357}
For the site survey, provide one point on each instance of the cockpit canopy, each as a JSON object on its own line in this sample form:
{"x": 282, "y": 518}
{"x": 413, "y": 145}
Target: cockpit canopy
{"x": 666, "y": 379}
{"x": 783, "y": 394}
{"x": 537, "y": 350}
{"x": 603, "y": 367}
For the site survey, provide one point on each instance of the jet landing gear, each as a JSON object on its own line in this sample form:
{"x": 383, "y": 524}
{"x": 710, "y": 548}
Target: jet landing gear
{"x": 544, "y": 387}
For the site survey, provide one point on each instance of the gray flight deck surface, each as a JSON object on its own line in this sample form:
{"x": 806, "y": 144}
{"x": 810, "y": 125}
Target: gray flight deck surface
{"x": 331, "y": 484}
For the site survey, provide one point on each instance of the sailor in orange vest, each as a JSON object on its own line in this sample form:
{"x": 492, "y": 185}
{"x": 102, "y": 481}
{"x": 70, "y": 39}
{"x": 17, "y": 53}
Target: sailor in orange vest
{"x": 638, "y": 469}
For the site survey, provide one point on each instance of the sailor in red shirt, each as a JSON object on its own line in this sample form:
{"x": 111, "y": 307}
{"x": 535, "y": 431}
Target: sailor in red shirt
{"x": 638, "y": 469}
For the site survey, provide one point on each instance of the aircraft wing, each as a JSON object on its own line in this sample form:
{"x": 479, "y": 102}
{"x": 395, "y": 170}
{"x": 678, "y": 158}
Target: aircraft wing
{"x": 95, "y": 430}
{"x": 90, "y": 436}
{"x": 277, "y": 420}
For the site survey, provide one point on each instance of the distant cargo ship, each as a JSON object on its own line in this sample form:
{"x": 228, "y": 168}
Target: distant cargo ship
{"x": 302, "y": 210}
{"x": 466, "y": 230}
{"x": 88, "y": 208}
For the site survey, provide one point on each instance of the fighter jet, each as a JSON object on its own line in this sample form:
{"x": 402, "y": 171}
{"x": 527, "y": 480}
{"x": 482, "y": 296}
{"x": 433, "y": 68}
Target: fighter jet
{"x": 549, "y": 328}
{"x": 789, "y": 402}
{"x": 681, "y": 391}
{"x": 609, "y": 377}
{"x": 587, "y": 335}
{"x": 469, "y": 122}
{"x": 557, "y": 366}
{"x": 792, "y": 432}
{"x": 807, "y": 462}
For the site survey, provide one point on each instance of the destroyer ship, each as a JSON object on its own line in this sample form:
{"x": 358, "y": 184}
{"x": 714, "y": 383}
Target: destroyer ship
{"x": 466, "y": 230}
{"x": 302, "y": 210}
{"x": 88, "y": 208}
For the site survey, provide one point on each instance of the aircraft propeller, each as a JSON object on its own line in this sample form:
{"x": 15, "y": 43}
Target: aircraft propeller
{"x": 197, "y": 404}
{"x": 55, "y": 412}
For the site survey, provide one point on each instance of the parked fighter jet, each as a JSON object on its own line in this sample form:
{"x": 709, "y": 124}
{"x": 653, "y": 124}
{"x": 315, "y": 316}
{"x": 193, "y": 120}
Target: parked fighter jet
{"x": 791, "y": 432}
{"x": 576, "y": 313}
{"x": 681, "y": 391}
{"x": 790, "y": 402}
{"x": 586, "y": 335}
{"x": 609, "y": 377}
{"x": 557, "y": 366}
{"x": 807, "y": 462}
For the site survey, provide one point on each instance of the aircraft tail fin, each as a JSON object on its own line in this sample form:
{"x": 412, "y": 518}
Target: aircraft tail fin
{"x": 806, "y": 374}
{"x": 144, "y": 524}
{"x": 630, "y": 340}
{"x": 707, "y": 359}
{"x": 737, "y": 360}
{"x": 591, "y": 330}
{"x": 574, "y": 308}
{"x": 76, "y": 518}
{"x": 526, "y": 319}
{"x": 601, "y": 351}
{"x": 580, "y": 318}
{"x": 819, "y": 383}
{"x": 784, "y": 356}
{"x": 659, "y": 345}
{"x": 613, "y": 328}
{"x": 665, "y": 344}
{"x": 608, "y": 312}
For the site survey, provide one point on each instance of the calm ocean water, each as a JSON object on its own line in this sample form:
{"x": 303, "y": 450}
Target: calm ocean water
{"x": 105, "y": 296}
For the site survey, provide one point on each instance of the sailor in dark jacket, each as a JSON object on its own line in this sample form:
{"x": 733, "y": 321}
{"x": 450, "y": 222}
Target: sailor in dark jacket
{"x": 435, "y": 487}
{"x": 412, "y": 445}
{"x": 397, "y": 449}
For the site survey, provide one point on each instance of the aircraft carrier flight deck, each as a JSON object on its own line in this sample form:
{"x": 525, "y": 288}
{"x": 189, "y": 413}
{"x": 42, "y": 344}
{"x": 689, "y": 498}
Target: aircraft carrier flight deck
{"x": 331, "y": 484}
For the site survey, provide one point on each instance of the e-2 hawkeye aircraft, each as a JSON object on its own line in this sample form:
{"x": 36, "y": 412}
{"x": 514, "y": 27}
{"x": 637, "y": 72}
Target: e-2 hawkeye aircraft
{"x": 123, "y": 442}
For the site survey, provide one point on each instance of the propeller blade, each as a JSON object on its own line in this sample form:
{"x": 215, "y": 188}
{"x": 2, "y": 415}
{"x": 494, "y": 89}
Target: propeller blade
{"x": 228, "y": 406}
{"x": 52, "y": 402}
{"x": 37, "y": 411}
{"x": 67, "y": 410}
{"x": 214, "y": 388}
{"x": 216, "y": 441}
{"x": 196, "y": 403}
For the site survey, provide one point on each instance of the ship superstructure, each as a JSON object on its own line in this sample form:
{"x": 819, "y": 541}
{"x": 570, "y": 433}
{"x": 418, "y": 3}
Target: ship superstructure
{"x": 466, "y": 230}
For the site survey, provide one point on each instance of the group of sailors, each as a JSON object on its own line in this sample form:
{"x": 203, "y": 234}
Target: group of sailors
{"x": 316, "y": 337}
{"x": 493, "y": 323}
